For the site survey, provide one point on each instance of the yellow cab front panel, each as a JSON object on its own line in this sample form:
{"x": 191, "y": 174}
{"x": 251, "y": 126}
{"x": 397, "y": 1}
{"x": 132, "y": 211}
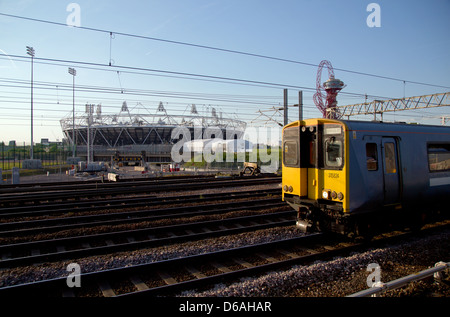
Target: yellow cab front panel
{"x": 315, "y": 164}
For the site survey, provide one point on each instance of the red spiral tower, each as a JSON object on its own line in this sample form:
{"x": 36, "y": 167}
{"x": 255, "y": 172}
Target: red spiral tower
{"x": 332, "y": 87}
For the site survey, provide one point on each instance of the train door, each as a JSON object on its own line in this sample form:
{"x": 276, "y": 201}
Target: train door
{"x": 391, "y": 171}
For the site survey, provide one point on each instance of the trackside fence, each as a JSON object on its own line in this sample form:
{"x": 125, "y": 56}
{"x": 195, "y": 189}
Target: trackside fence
{"x": 377, "y": 288}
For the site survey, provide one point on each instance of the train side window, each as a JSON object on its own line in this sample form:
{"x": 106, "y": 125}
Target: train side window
{"x": 439, "y": 157}
{"x": 290, "y": 153}
{"x": 372, "y": 156}
{"x": 389, "y": 158}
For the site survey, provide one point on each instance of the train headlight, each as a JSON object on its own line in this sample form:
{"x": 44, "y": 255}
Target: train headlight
{"x": 333, "y": 195}
{"x": 285, "y": 188}
{"x": 290, "y": 189}
{"x": 340, "y": 196}
{"x": 325, "y": 194}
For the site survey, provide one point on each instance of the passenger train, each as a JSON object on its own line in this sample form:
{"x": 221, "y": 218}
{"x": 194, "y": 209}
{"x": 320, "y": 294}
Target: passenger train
{"x": 353, "y": 176}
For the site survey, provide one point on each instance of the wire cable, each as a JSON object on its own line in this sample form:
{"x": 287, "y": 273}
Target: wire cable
{"x": 111, "y": 33}
{"x": 124, "y": 69}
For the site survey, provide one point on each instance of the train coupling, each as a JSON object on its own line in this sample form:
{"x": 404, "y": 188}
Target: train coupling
{"x": 304, "y": 226}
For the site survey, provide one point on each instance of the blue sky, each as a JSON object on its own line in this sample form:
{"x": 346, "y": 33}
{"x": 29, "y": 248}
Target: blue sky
{"x": 412, "y": 44}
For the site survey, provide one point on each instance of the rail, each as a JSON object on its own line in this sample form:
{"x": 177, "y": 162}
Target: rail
{"x": 382, "y": 287}
{"x": 17, "y": 199}
{"x": 57, "y": 285}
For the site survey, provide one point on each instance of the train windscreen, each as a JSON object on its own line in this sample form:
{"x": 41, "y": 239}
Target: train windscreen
{"x": 291, "y": 155}
{"x": 333, "y": 147}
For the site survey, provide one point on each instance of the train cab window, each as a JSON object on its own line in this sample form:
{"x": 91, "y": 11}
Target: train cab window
{"x": 333, "y": 152}
{"x": 290, "y": 153}
{"x": 372, "y": 156}
{"x": 439, "y": 157}
{"x": 389, "y": 158}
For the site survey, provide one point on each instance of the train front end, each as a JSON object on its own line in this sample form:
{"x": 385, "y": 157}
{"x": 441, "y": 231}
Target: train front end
{"x": 315, "y": 173}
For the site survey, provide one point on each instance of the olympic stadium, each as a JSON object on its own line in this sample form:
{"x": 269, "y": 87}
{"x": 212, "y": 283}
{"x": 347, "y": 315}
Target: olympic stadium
{"x": 100, "y": 137}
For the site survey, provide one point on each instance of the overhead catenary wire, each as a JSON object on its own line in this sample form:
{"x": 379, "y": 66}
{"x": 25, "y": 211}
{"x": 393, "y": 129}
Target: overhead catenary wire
{"x": 132, "y": 69}
{"x": 83, "y": 92}
{"x": 119, "y": 69}
{"x": 123, "y": 68}
{"x": 113, "y": 33}
{"x": 176, "y": 106}
{"x": 18, "y": 83}
{"x": 256, "y": 100}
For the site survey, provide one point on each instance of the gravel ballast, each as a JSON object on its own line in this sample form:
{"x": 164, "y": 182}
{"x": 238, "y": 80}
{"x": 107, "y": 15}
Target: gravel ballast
{"x": 97, "y": 263}
{"x": 339, "y": 277}
{"x": 347, "y": 275}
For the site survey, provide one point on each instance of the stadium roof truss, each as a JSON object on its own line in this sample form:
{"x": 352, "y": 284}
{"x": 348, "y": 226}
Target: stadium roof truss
{"x": 138, "y": 129}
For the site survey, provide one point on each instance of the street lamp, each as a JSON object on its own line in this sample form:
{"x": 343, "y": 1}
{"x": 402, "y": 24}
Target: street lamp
{"x": 30, "y": 51}
{"x": 73, "y": 72}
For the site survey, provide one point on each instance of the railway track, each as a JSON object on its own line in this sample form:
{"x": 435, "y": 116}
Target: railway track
{"x": 47, "y": 195}
{"x": 55, "y": 231}
{"x": 103, "y": 207}
{"x": 97, "y": 182}
{"x": 31, "y": 252}
{"x": 155, "y": 277}
{"x": 168, "y": 276}
{"x": 200, "y": 271}
{"x": 16, "y": 221}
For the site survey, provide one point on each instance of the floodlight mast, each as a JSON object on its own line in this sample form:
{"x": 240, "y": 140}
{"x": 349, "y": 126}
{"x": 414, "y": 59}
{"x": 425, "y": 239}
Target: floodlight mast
{"x": 30, "y": 51}
{"x": 73, "y": 72}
